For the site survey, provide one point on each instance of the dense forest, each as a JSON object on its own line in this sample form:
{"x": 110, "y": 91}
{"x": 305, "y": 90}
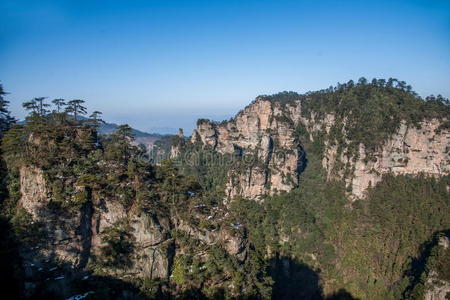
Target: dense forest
{"x": 59, "y": 176}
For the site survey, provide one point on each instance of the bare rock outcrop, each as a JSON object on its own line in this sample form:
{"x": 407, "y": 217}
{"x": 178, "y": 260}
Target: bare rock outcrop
{"x": 410, "y": 150}
{"x": 233, "y": 242}
{"x": 264, "y": 139}
{"x": 63, "y": 231}
{"x": 261, "y": 136}
{"x": 75, "y": 235}
{"x": 33, "y": 190}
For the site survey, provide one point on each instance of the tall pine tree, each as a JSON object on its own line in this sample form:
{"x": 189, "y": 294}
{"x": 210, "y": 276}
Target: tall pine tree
{"x": 5, "y": 118}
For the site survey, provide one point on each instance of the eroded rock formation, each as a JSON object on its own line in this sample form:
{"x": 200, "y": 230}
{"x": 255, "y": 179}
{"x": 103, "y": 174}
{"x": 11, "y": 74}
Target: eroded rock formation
{"x": 75, "y": 235}
{"x": 265, "y": 132}
{"x": 263, "y": 137}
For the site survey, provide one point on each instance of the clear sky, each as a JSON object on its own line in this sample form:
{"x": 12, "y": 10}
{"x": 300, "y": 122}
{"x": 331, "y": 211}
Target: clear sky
{"x": 157, "y": 64}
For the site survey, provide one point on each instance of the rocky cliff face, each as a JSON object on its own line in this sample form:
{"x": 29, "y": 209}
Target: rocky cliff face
{"x": 410, "y": 150}
{"x": 261, "y": 137}
{"x": 75, "y": 236}
{"x": 264, "y": 135}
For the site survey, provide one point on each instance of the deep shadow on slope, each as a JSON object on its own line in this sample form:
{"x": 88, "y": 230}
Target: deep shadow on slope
{"x": 11, "y": 273}
{"x": 342, "y": 294}
{"x": 418, "y": 265}
{"x": 297, "y": 281}
{"x": 26, "y": 274}
{"x": 294, "y": 281}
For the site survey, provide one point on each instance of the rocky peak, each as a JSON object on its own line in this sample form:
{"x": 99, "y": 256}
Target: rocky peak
{"x": 181, "y": 133}
{"x": 262, "y": 132}
{"x": 265, "y": 130}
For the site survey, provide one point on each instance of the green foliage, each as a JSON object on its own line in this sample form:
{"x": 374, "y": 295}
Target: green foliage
{"x": 119, "y": 246}
{"x": 26, "y": 230}
{"x": 212, "y": 267}
{"x": 438, "y": 261}
{"x": 370, "y": 113}
{"x": 207, "y": 166}
{"x": 282, "y": 96}
{"x": 367, "y": 247}
{"x": 404, "y": 212}
{"x": 95, "y": 119}
{"x": 11, "y": 194}
{"x": 435, "y": 270}
{"x": 76, "y": 162}
{"x": 6, "y": 122}
{"x": 172, "y": 188}
{"x": 5, "y": 117}
{"x": 401, "y": 214}
{"x": 76, "y": 108}
{"x": 179, "y": 269}
{"x": 37, "y": 106}
{"x": 59, "y": 103}
{"x": 150, "y": 287}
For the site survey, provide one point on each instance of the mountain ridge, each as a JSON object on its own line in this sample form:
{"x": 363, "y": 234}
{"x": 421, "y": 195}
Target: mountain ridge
{"x": 399, "y": 142}
{"x": 342, "y": 193}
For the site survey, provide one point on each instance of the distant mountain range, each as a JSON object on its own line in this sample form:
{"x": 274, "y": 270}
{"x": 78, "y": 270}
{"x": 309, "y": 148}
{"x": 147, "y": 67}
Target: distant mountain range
{"x": 141, "y": 137}
{"x": 108, "y": 128}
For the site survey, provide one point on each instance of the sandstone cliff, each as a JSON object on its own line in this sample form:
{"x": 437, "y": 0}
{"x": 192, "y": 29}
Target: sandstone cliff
{"x": 261, "y": 136}
{"x": 75, "y": 236}
{"x": 265, "y": 134}
{"x": 410, "y": 150}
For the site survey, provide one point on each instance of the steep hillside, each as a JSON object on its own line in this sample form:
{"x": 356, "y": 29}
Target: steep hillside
{"x": 92, "y": 215}
{"x": 352, "y": 191}
{"x": 365, "y": 131}
{"x": 351, "y": 181}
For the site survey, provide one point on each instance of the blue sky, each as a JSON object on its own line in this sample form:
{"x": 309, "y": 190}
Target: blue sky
{"x": 159, "y": 64}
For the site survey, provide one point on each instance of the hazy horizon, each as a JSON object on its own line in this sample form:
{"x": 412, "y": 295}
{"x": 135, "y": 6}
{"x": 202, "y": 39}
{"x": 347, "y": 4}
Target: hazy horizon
{"x": 159, "y": 64}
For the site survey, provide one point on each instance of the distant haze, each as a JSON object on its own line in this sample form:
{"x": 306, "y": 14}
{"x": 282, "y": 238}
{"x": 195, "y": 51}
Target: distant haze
{"x": 160, "y": 65}
{"x": 168, "y": 123}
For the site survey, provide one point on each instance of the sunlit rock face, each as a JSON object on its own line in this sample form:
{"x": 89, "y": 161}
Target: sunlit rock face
{"x": 410, "y": 150}
{"x": 266, "y": 130}
{"x": 264, "y": 138}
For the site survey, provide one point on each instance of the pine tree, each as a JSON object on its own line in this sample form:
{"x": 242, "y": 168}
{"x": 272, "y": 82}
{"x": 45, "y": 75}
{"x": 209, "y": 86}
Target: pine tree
{"x": 119, "y": 142}
{"x": 37, "y": 106}
{"x": 40, "y": 101}
{"x": 362, "y": 81}
{"x": 96, "y": 118}
{"x": 5, "y": 118}
{"x": 31, "y": 106}
{"x": 59, "y": 103}
{"x": 124, "y": 132}
{"x": 76, "y": 107}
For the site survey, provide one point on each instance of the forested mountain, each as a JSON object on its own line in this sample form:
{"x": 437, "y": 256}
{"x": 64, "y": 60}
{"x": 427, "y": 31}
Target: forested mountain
{"x": 342, "y": 193}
